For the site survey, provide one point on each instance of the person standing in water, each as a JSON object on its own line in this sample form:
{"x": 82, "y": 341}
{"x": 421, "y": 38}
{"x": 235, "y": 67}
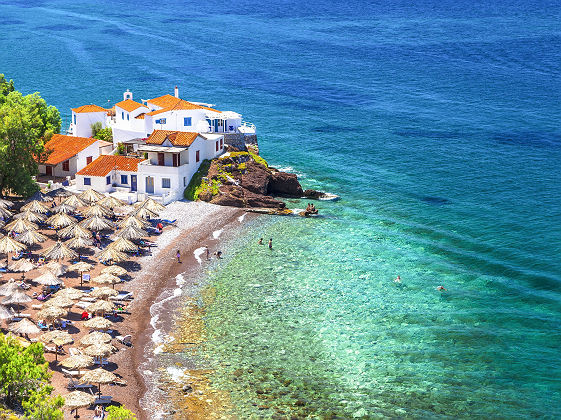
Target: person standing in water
{"x": 178, "y": 255}
{"x": 271, "y": 243}
{"x": 260, "y": 241}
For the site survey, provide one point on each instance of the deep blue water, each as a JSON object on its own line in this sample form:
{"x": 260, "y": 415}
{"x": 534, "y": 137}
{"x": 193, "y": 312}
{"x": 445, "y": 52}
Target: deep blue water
{"x": 438, "y": 124}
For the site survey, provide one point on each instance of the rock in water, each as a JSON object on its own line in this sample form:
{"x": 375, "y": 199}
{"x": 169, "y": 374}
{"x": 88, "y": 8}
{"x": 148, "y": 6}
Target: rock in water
{"x": 283, "y": 183}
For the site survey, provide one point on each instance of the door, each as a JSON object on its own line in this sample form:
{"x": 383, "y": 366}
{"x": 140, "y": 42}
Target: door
{"x": 149, "y": 185}
{"x": 161, "y": 161}
{"x": 133, "y": 182}
{"x": 175, "y": 159}
{"x": 49, "y": 170}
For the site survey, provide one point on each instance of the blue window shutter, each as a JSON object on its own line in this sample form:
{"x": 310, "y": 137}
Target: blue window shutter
{"x": 187, "y": 121}
{"x": 108, "y": 180}
{"x": 122, "y": 115}
{"x": 124, "y": 179}
{"x": 127, "y": 117}
{"x": 87, "y": 181}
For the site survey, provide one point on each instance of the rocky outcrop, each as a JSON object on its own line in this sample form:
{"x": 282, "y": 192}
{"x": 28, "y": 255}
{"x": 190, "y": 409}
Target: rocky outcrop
{"x": 285, "y": 184}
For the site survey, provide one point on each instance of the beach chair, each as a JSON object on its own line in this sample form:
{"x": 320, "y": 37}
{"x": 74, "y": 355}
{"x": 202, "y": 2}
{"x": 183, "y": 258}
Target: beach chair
{"x": 126, "y": 340}
{"x": 37, "y": 306}
{"x": 74, "y": 351}
{"x": 83, "y": 305}
{"x": 122, "y": 296}
{"x": 70, "y": 373}
{"x": 169, "y": 222}
{"x": 102, "y": 362}
{"x": 73, "y": 384}
{"x": 43, "y": 296}
{"x": 104, "y": 399}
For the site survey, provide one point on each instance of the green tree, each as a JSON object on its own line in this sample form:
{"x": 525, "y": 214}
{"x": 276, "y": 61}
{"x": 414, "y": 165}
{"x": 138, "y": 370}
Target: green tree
{"x": 23, "y": 371}
{"x": 105, "y": 134}
{"x": 5, "y": 88}
{"x": 26, "y": 123}
{"x": 40, "y": 406}
{"x": 95, "y": 128}
{"x": 119, "y": 413}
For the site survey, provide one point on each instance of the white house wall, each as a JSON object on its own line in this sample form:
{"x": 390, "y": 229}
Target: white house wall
{"x": 84, "y": 121}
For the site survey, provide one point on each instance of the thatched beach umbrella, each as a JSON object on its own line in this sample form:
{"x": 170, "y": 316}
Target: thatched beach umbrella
{"x": 5, "y": 213}
{"x": 151, "y": 205}
{"x": 78, "y": 399}
{"x": 30, "y": 216}
{"x": 31, "y": 237}
{"x": 7, "y": 204}
{"x": 59, "y": 251}
{"x": 60, "y": 301}
{"x": 59, "y": 192}
{"x": 90, "y": 196}
{"x": 22, "y": 266}
{"x": 55, "y": 267}
{"x": 95, "y": 338}
{"x": 96, "y": 223}
{"x": 51, "y": 312}
{"x": 51, "y": 336}
{"x": 99, "y": 350}
{"x": 4, "y": 313}
{"x": 104, "y": 292}
{"x": 8, "y": 245}
{"x": 106, "y": 279}
{"x": 63, "y": 208}
{"x": 132, "y": 233}
{"x": 133, "y": 221}
{"x": 24, "y": 326}
{"x": 74, "y": 201}
{"x": 144, "y": 213}
{"x": 109, "y": 254}
{"x": 48, "y": 279}
{"x": 123, "y": 245}
{"x": 17, "y": 297}
{"x": 75, "y": 231}
{"x": 78, "y": 361}
{"x": 98, "y": 376}
{"x": 20, "y": 226}
{"x": 115, "y": 270}
{"x": 98, "y": 323}
{"x": 71, "y": 293}
{"x": 79, "y": 243}
{"x": 101, "y": 306}
{"x": 97, "y": 210}
{"x": 81, "y": 267}
{"x": 61, "y": 220}
{"x": 36, "y": 207}
{"x": 111, "y": 202}
{"x": 8, "y": 288}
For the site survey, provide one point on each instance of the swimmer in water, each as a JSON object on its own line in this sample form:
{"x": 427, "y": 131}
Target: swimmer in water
{"x": 397, "y": 279}
{"x": 260, "y": 242}
{"x": 441, "y": 288}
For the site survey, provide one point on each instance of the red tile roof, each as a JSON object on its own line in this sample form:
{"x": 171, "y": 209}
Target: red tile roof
{"x": 89, "y": 108}
{"x": 171, "y": 103}
{"x": 177, "y": 138}
{"x": 140, "y": 116}
{"x": 106, "y": 163}
{"x": 129, "y": 105}
{"x": 64, "y": 147}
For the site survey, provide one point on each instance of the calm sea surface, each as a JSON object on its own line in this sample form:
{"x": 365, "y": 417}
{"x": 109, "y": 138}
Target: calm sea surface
{"x": 437, "y": 124}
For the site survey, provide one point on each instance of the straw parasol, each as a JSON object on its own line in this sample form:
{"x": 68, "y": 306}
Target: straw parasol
{"x": 59, "y": 251}
{"x": 7, "y": 204}
{"x": 8, "y": 288}
{"x": 90, "y": 196}
{"x": 20, "y": 226}
{"x": 144, "y": 213}
{"x": 101, "y": 306}
{"x": 55, "y": 267}
{"x": 51, "y": 312}
{"x": 107, "y": 279}
{"x": 51, "y": 336}
{"x": 59, "y": 192}
{"x": 81, "y": 267}
{"x": 132, "y": 232}
{"x": 24, "y": 326}
{"x": 30, "y": 216}
{"x": 96, "y": 223}
{"x": 94, "y": 338}
{"x": 111, "y": 202}
{"x": 98, "y": 323}
{"x": 104, "y": 292}
{"x": 98, "y": 376}
{"x": 99, "y": 350}
{"x": 151, "y": 205}
{"x": 74, "y": 231}
{"x": 17, "y": 297}
{"x": 63, "y": 208}
{"x": 78, "y": 399}
{"x": 74, "y": 201}
{"x": 36, "y": 207}
{"x": 70, "y": 293}
{"x": 5, "y": 213}
{"x": 5, "y": 314}
{"x": 61, "y": 220}
{"x": 48, "y": 278}
{"x": 79, "y": 242}
{"x": 60, "y": 301}
{"x": 78, "y": 361}
{"x": 123, "y": 245}
{"x": 31, "y": 237}
{"x": 133, "y": 221}
{"x": 115, "y": 270}
{"x": 8, "y": 245}
{"x": 109, "y": 254}
{"x": 97, "y": 210}
{"x": 22, "y": 266}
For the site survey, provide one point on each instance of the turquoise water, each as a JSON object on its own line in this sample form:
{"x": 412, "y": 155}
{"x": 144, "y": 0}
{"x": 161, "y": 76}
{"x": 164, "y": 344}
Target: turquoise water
{"x": 437, "y": 123}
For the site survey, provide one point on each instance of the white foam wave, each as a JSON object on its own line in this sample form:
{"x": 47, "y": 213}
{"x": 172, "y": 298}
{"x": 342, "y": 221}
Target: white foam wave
{"x": 240, "y": 219}
{"x": 176, "y": 374}
{"x": 158, "y": 337}
{"x": 216, "y": 234}
{"x": 198, "y": 252}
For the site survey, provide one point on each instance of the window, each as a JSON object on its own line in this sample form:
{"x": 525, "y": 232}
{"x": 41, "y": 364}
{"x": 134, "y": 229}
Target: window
{"x": 124, "y": 179}
{"x": 217, "y": 145}
{"x": 89, "y": 160}
{"x": 166, "y": 183}
{"x": 222, "y": 143}
{"x": 87, "y": 181}
{"x": 74, "y": 118}
{"x": 184, "y": 181}
{"x": 187, "y": 121}
{"x": 160, "y": 121}
{"x": 122, "y": 115}
{"x": 108, "y": 180}
{"x": 128, "y": 117}
{"x": 175, "y": 159}
{"x": 197, "y": 156}
{"x": 66, "y": 166}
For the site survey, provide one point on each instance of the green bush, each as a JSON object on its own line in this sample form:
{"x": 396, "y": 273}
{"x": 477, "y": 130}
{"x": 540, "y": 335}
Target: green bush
{"x": 105, "y": 134}
{"x": 196, "y": 184}
{"x": 39, "y": 406}
{"x": 119, "y": 413}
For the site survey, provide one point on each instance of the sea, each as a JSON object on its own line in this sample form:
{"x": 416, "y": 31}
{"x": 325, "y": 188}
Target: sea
{"x": 438, "y": 125}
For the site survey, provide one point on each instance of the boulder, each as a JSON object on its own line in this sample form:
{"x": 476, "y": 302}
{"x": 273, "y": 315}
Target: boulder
{"x": 256, "y": 178}
{"x": 265, "y": 201}
{"x": 285, "y": 184}
{"x": 314, "y": 194}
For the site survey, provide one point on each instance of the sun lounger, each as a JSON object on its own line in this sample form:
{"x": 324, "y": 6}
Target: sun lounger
{"x": 103, "y": 362}
{"x": 37, "y": 306}
{"x": 71, "y": 373}
{"x": 169, "y": 222}
{"x": 126, "y": 340}
{"x": 104, "y": 399}
{"x": 43, "y": 297}
{"x": 83, "y": 305}
{"x": 122, "y": 296}
{"x": 89, "y": 299}
{"x": 72, "y": 384}
{"x": 74, "y": 351}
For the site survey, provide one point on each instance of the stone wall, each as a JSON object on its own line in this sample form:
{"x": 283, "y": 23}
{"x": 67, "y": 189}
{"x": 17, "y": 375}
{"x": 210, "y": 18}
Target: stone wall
{"x": 242, "y": 141}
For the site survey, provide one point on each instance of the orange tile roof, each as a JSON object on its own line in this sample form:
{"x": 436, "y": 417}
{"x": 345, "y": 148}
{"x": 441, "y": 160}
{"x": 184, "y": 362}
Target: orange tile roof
{"x": 129, "y": 105}
{"x": 89, "y": 108}
{"x": 171, "y": 103}
{"x": 140, "y": 116}
{"x": 64, "y": 147}
{"x": 106, "y": 163}
{"x": 177, "y": 138}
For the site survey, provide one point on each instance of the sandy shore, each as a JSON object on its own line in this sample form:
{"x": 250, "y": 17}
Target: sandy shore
{"x": 198, "y": 224}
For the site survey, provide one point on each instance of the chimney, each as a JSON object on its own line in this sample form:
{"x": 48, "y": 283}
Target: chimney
{"x": 127, "y": 95}
{"x": 176, "y": 92}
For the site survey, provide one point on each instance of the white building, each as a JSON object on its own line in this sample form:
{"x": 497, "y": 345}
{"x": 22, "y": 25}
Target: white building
{"x": 108, "y": 172}
{"x": 69, "y": 154}
{"x": 84, "y": 117}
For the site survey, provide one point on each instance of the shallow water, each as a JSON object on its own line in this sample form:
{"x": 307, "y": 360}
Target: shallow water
{"x": 438, "y": 125}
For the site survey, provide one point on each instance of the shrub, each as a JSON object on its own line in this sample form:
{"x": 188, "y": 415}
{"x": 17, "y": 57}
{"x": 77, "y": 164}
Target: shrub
{"x": 196, "y": 184}
{"x": 105, "y": 134}
{"x": 119, "y": 413}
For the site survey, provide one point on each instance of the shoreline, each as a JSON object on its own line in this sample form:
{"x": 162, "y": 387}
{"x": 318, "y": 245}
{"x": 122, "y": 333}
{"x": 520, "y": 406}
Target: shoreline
{"x": 156, "y": 284}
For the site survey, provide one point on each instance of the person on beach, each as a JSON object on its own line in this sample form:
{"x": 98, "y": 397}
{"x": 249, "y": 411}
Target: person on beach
{"x": 218, "y": 254}
{"x": 397, "y": 279}
{"x": 260, "y": 242}
{"x": 441, "y": 288}
{"x": 178, "y": 255}
{"x": 207, "y": 253}
{"x": 98, "y": 413}
{"x": 160, "y": 227}
{"x": 271, "y": 243}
